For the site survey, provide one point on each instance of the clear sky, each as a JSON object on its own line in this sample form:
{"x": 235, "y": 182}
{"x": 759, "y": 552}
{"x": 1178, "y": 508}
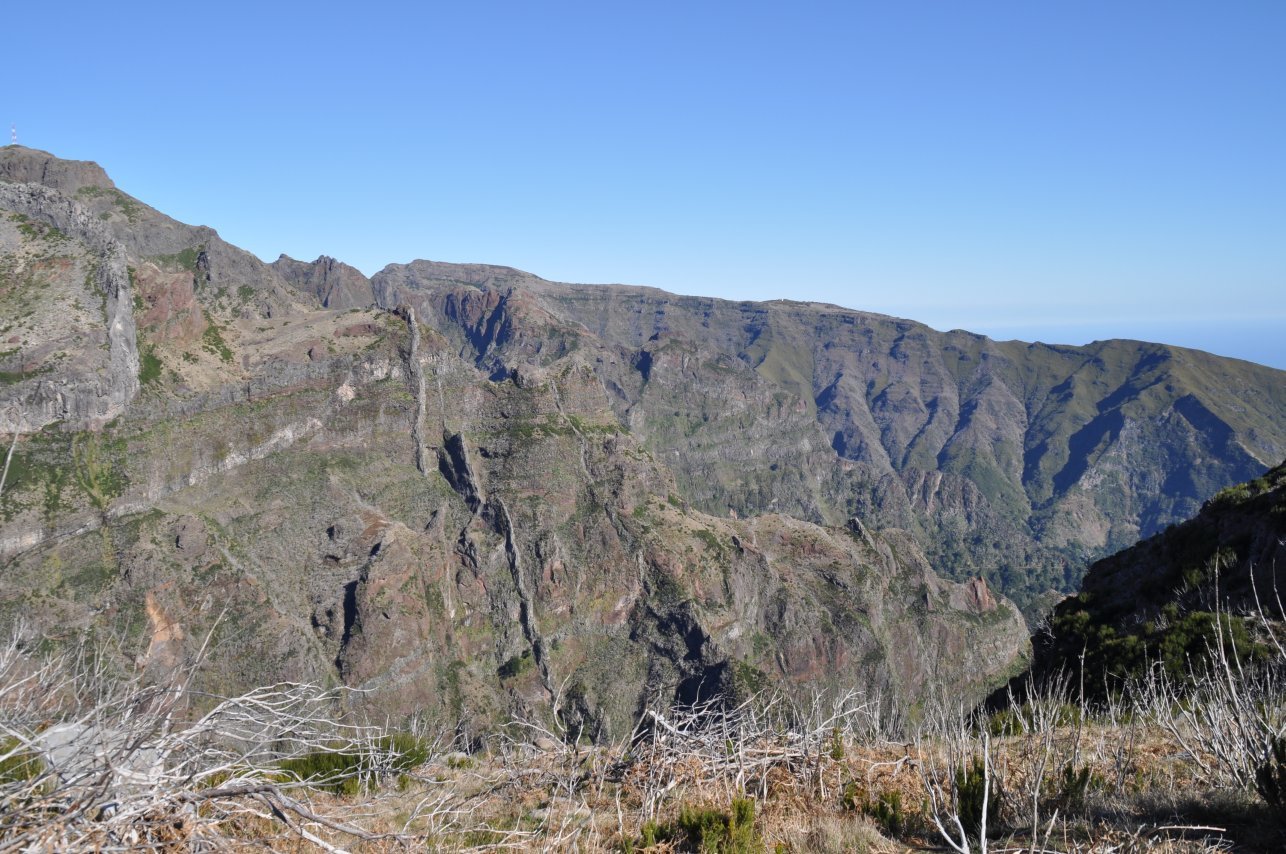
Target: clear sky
{"x": 1056, "y": 171}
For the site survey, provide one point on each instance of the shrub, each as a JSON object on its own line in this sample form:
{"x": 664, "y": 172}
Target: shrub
{"x": 709, "y": 831}
{"x": 837, "y": 745}
{"x": 1005, "y": 722}
{"x": 516, "y": 665}
{"x": 1071, "y": 788}
{"x": 149, "y": 366}
{"x": 1014, "y": 721}
{"x": 345, "y": 772}
{"x": 212, "y": 342}
{"x": 971, "y": 790}
{"x": 17, "y": 765}
{"x": 886, "y": 811}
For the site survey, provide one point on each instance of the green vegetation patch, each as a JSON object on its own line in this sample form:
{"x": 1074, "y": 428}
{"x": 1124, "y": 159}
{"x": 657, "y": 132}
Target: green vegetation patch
{"x": 1180, "y": 642}
{"x": 709, "y": 831}
{"x": 127, "y": 206}
{"x": 711, "y": 540}
{"x": 212, "y": 341}
{"x": 12, "y": 377}
{"x": 99, "y": 468}
{"x": 516, "y": 665}
{"x": 347, "y": 771}
{"x": 149, "y": 365}
{"x": 972, "y": 790}
{"x": 1241, "y": 493}
{"x": 51, "y": 467}
{"x": 885, "y": 808}
{"x": 37, "y": 230}
{"x": 18, "y": 765}
{"x": 747, "y": 681}
{"x": 184, "y": 259}
{"x": 1270, "y": 776}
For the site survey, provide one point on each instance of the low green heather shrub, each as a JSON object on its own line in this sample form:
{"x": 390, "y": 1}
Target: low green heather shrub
{"x": 971, "y": 788}
{"x": 16, "y": 764}
{"x": 1069, "y": 790}
{"x": 1011, "y": 721}
{"x": 709, "y": 831}
{"x": 346, "y": 771}
{"x": 885, "y": 809}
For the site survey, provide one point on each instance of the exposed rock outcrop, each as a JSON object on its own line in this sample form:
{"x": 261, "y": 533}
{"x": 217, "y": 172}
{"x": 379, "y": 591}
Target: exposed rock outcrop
{"x": 22, "y": 165}
{"x": 95, "y": 387}
{"x": 334, "y": 283}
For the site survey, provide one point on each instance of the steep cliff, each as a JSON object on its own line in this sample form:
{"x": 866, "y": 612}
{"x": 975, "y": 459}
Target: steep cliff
{"x": 67, "y": 350}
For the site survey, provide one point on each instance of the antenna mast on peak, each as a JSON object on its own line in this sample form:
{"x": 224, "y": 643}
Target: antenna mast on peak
{"x": 13, "y": 134}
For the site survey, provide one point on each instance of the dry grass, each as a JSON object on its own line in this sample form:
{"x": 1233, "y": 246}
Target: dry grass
{"x": 833, "y": 775}
{"x": 520, "y": 797}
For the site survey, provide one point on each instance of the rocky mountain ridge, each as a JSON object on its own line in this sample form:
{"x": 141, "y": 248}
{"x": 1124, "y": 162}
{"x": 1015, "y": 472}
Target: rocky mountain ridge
{"x": 1011, "y": 460}
{"x": 335, "y": 494}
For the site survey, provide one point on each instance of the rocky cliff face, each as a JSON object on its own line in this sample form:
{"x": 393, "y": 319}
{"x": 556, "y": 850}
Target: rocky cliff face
{"x": 1016, "y": 461}
{"x": 442, "y": 503}
{"x": 62, "y": 359}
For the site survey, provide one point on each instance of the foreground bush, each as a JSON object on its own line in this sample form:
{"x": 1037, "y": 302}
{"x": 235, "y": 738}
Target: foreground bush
{"x": 92, "y": 762}
{"x": 1270, "y": 778}
{"x": 346, "y": 769}
{"x": 709, "y": 831}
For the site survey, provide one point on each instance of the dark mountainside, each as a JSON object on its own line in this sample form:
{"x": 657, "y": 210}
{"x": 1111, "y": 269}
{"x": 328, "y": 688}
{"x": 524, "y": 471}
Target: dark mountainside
{"x": 1159, "y": 602}
{"x": 487, "y": 493}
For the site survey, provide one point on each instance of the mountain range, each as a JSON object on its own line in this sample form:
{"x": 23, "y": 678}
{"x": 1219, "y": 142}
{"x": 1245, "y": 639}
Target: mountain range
{"x": 472, "y": 491}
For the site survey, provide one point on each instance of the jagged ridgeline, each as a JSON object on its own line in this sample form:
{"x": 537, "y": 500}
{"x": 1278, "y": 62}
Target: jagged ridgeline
{"x": 477, "y": 493}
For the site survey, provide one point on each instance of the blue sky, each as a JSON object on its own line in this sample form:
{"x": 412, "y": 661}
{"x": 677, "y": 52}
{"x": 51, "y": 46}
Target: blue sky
{"x": 1050, "y": 171}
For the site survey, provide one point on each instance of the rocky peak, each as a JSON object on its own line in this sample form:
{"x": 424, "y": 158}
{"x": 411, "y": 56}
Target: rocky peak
{"x": 75, "y": 366}
{"x": 22, "y": 165}
{"x": 334, "y": 283}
